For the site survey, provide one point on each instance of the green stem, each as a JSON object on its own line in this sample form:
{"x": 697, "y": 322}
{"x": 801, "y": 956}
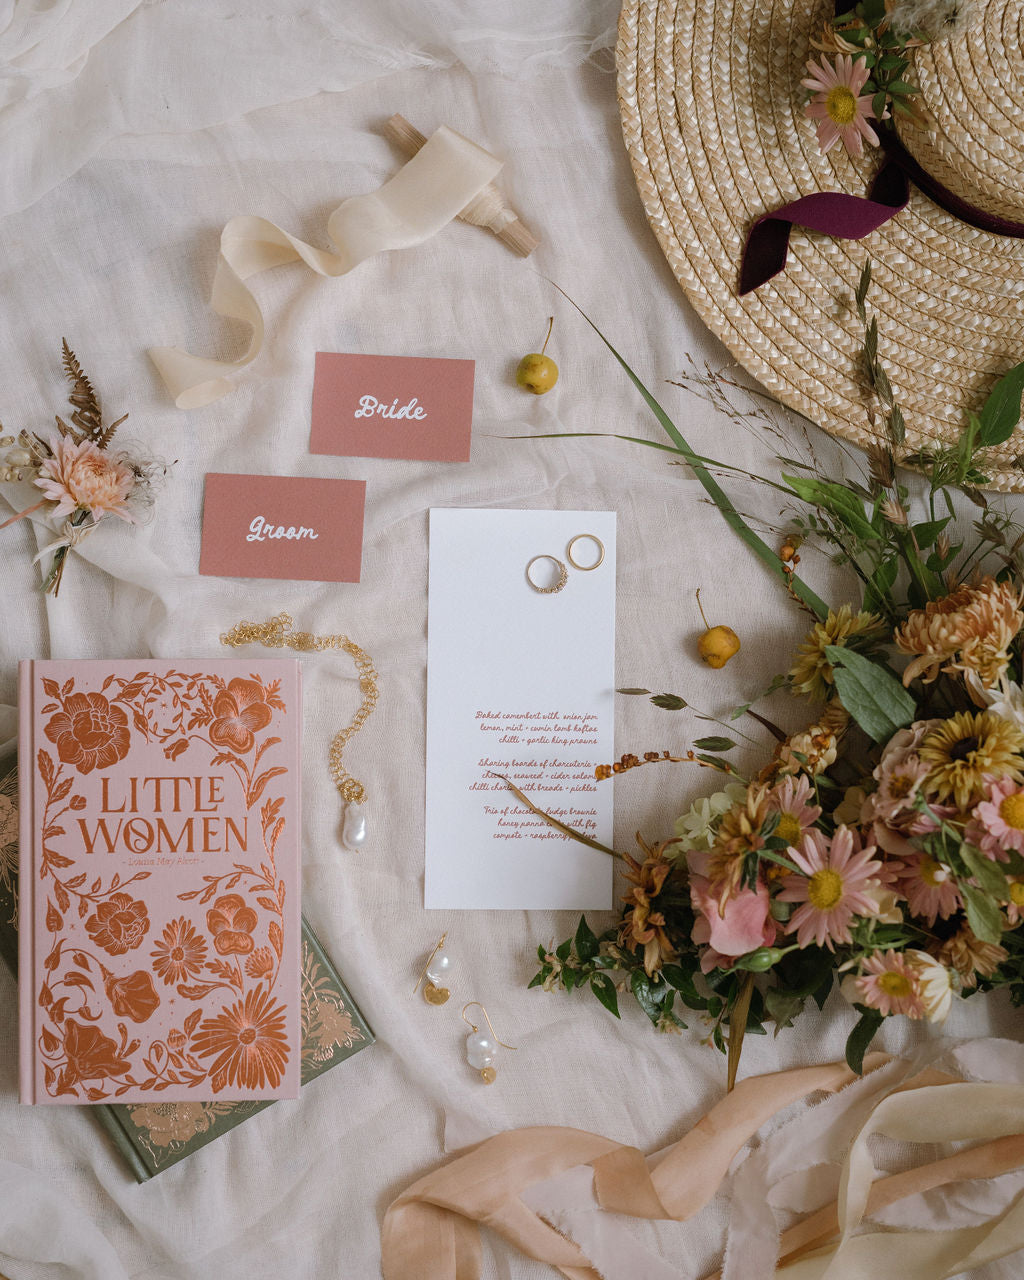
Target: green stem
{"x": 711, "y": 486}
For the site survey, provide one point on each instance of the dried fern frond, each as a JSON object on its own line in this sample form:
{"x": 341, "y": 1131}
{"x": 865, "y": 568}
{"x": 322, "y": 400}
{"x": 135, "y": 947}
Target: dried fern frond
{"x": 67, "y": 430}
{"x": 87, "y": 416}
{"x": 105, "y": 437}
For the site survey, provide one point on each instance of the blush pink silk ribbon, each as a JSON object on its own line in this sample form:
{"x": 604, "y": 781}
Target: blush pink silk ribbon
{"x": 431, "y": 1232}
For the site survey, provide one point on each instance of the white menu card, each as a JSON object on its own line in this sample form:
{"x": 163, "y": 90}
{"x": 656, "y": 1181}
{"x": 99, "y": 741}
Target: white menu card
{"x": 519, "y": 684}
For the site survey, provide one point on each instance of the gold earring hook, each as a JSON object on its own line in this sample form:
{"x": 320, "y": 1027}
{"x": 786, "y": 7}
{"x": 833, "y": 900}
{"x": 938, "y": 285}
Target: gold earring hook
{"x": 423, "y": 971}
{"x": 490, "y": 1024}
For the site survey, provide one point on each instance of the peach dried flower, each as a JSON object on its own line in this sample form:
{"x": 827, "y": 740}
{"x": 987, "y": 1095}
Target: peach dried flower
{"x": 80, "y": 476}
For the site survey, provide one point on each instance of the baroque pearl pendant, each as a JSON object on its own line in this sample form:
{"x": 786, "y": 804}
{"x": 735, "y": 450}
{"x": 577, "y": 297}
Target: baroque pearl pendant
{"x": 435, "y": 992}
{"x": 353, "y": 828}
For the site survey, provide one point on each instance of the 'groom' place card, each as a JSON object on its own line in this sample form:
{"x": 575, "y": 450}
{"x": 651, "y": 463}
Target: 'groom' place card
{"x": 282, "y": 527}
{"x": 392, "y": 407}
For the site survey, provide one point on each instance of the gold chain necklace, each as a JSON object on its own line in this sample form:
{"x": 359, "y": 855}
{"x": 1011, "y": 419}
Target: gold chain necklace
{"x": 277, "y": 633}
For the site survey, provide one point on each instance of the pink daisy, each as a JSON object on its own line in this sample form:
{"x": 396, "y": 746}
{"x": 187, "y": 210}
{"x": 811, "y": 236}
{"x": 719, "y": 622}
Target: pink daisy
{"x": 1015, "y": 907}
{"x": 929, "y": 889}
{"x": 1001, "y": 819}
{"x": 833, "y": 889}
{"x": 790, "y": 801}
{"x": 835, "y": 104}
{"x": 890, "y": 985}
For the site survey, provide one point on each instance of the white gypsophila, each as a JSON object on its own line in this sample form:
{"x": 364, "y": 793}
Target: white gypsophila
{"x": 696, "y": 826}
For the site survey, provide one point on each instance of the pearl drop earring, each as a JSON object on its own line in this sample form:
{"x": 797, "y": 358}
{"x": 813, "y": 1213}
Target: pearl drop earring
{"x": 435, "y": 971}
{"x": 481, "y": 1048}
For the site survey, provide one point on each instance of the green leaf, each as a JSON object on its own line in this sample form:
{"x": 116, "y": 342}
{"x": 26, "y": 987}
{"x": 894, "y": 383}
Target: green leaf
{"x": 903, "y": 87}
{"x": 716, "y": 762}
{"x": 542, "y": 953}
{"x": 836, "y": 498}
{"x": 714, "y": 744}
{"x": 779, "y": 859}
{"x": 1001, "y": 412}
{"x": 603, "y": 987}
{"x": 989, "y": 874}
{"x": 875, "y": 699}
{"x": 669, "y": 701}
{"x": 632, "y": 690}
{"x": 585, "y": 941}
{"x": 684, "y": 984}
{"x": 880, "y": 584}
{"x": 983, "y": 915}
{"x": 782, "y": 1006}
{"x": 563, "y": 950}
{"x": 650, "y": 996}
{"x": 536, "y": 980}
{"x": 570, "y": 978}
{"x": 714, "y": 490}
{"x": 929, "y": 530}
{"x": 860, "y": 1037}
{"x": 878, "y": 106}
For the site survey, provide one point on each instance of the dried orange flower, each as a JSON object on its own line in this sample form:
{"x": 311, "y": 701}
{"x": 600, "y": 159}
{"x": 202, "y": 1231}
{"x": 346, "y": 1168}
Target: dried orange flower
{"x": 969, "y": 630}
{"x": 739, "y": 833}
{"x": 970, "y": 957}
{"x": 642, "y": 926}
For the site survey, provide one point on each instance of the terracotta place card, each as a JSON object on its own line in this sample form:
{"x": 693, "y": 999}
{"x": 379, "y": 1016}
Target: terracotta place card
{"x": 392, "y": 407}
{"x": 282, "y": 527}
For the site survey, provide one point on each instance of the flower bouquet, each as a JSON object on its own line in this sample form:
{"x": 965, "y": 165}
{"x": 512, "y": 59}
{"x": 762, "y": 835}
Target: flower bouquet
{"x": 880, "y": 849}
{"x": 83, "y": 481}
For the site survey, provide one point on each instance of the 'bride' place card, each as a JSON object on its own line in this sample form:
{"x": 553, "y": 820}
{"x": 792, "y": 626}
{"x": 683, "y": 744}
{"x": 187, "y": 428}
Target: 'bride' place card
{"x": 295, "y": 527}
{"x": 392, "y": 407}
{"x": 520, "y": 684}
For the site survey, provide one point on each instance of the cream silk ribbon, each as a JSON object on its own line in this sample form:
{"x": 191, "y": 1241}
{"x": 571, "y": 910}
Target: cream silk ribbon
{"x": 431, "y": 1233}
{"x": 444, "y": 176}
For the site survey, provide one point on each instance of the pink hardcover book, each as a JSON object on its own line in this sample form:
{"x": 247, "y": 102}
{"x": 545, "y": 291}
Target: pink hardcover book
{"x": 160, "y": 880}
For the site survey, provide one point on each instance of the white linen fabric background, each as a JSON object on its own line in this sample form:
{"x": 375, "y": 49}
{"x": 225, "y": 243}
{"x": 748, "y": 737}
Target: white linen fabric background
{"x": 129, "y": 133}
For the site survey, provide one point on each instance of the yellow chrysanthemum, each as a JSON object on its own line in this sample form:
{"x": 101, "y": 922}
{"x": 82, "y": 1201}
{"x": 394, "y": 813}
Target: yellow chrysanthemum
{"x": 964, "y": 749}
{"x": 969, "y": 630}
{"x": 812, "y": 672}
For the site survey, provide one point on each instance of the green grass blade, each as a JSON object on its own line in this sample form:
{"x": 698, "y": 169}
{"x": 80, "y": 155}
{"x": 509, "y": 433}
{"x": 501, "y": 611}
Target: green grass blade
{"x": 711, "y": 486}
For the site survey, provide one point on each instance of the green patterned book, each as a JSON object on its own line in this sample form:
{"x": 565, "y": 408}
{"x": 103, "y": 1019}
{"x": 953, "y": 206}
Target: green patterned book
{"x": 154, "y": 1135}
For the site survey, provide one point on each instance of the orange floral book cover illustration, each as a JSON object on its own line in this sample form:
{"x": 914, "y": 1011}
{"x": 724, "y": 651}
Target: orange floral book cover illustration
{"x": 159, "y": 895}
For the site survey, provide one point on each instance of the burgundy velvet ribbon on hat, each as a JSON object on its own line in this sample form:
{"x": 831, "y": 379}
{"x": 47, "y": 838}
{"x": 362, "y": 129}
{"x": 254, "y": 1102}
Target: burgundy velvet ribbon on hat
{"x": 834, "y": 213}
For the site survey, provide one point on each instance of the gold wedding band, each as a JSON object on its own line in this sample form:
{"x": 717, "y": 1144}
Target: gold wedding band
{"x": 587, "y": 537}
{"x": 563, "y": 575}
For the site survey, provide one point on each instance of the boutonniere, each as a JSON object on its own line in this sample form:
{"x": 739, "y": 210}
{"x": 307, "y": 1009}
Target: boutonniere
{"x": 83, "y": 480}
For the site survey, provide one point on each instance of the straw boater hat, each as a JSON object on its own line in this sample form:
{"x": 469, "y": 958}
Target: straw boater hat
{"x": 712, "y": 112}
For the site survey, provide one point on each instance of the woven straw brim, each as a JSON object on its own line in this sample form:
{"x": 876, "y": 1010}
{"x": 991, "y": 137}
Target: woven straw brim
{"x": 712, "y": 113}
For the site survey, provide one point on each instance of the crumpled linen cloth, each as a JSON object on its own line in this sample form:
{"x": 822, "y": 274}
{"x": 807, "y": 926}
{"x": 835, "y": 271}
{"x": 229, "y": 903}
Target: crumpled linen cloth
{"x": 129, "y": 134}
